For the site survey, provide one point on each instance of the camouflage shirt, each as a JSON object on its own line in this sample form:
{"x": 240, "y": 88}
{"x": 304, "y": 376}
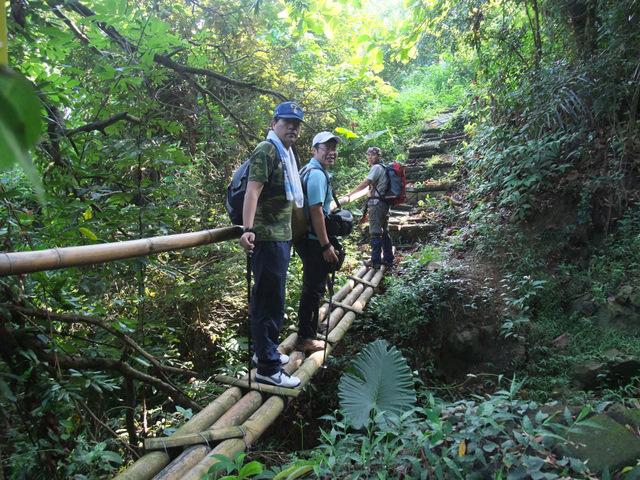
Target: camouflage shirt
{"x": 273, "y": 213}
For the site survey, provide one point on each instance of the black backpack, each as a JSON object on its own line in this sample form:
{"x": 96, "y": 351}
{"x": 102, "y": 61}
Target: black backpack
{"x": 237, "y": 189}
{"x": 339, "y": 223}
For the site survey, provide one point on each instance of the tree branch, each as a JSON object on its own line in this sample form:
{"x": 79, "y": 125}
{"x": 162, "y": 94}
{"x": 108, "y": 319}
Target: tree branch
{"x": 52, "y": 357}
{"x": 69, "y": 318}
{"x": 164, "y": 59}
{"x": 102, "y": 124}
{"x": 167, "y": 62}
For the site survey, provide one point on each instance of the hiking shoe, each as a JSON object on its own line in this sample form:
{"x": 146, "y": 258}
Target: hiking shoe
{"x": 369, "y": 263}
{"x": 279, "y": 379}
{"x": 284, "y": 359}
{"x": 310, "y": 345}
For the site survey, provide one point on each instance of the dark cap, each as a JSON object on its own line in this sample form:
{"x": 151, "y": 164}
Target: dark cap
{"x": 288, "y": 110}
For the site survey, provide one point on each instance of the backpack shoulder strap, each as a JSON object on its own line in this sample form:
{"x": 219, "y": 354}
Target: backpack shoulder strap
{"x": 304, "y": 174}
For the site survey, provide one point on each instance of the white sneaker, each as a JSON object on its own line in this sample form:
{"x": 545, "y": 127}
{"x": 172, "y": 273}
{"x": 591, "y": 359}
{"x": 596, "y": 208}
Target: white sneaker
{"x": 284, "y": 359}
{"x": 279, "y": 379}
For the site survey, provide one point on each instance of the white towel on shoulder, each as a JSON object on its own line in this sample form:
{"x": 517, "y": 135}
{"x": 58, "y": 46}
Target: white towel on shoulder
{"x": 292, "y": 185}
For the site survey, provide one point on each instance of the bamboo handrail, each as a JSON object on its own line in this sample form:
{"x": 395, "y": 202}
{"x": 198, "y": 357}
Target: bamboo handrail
{"x": 38, "y": 260}
{"x": 15, "y": 263}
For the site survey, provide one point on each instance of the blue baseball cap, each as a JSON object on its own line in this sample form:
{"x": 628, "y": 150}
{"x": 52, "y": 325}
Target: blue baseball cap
{"x": 288, "y": 110}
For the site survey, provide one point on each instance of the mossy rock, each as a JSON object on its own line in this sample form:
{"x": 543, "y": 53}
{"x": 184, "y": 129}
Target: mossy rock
{"x": 609, "y": 444}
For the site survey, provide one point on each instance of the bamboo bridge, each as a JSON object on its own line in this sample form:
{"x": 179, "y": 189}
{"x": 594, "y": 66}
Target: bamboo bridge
{"x": 247, "y": 408}
{"x": 244, "y": 411}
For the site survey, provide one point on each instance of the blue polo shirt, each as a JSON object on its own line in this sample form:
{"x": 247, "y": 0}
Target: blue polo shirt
{"x": 314, "y": 183}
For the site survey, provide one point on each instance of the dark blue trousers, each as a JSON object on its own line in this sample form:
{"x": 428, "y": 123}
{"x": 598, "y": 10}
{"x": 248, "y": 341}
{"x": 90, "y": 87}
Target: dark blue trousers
{"x": 315, "y": 272}
{"x": 269, "y": 265}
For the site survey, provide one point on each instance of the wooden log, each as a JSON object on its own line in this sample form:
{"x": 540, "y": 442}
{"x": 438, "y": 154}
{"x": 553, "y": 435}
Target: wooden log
{"x": 347, "y": 307}
{"x": 183, "y": 463}
{"x": 163, "y": 443}
{"x": 153, "y": 463}
{"x": 38, "y": 260}
{"x": 364, "y": 282}
{"x": 260, "y": 387}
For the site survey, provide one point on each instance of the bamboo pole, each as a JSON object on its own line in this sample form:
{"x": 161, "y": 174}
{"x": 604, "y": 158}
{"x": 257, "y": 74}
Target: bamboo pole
{"x": 4, "y": 44}
{"x": 254, "y": 426}
{"x": 218, "y": 434}
{"x": 350, "y": 199}
{"x": 259, "y": 387}
{"x": 54, "y": 258}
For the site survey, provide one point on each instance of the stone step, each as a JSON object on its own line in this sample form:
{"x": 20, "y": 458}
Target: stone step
{"x": 435, "y": 147}
{"x": 420, "y": 193}
{"x": 410, "y": 231}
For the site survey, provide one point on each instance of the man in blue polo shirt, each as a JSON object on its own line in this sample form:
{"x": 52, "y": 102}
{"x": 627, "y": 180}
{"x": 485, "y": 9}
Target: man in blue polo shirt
{"x": 315, "y": 248}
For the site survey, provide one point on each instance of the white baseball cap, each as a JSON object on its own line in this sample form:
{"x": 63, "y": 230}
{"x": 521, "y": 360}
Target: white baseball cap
{"x": 324, "y": 137}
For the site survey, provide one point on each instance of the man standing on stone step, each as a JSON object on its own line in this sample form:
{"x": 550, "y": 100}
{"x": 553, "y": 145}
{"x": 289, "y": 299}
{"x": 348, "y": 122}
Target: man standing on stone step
{"x": 378, "y": 182}
{"x": 317, "y": 251}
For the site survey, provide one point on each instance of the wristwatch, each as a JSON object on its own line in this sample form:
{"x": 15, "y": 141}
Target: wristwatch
{"x": 248, "y": 229}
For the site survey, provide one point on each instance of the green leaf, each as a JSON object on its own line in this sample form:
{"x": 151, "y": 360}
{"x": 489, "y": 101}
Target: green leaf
{"x": 87, "y": 233}
{"x": 6, "y": 392}
{"x": 381, "y": 382}
{"x": 296, "y": 471}
{"x": 251, "y": 468}
{"x": 20, "y": 126}
{"x": 374, "y": 135}
{"x": 346, "y": 133}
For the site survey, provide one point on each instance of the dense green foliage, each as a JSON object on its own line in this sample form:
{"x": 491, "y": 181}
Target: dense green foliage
{"x": 149, "y": 106}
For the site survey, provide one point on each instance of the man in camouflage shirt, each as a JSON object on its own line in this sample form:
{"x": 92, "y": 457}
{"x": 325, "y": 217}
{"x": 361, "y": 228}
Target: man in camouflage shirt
{"x": 273, "y": 186}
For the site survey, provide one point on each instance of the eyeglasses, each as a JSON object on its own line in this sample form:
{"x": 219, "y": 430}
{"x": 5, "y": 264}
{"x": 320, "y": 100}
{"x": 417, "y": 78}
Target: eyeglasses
{"x": 375, "y": 150}
{"x": 328, "y": 149}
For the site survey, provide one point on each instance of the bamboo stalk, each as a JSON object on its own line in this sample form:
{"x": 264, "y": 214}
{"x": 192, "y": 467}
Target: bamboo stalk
{"x": 162, "y": 443}
{"x": 347, "y": 307}
{"x": 260, "y": 387}
{"x": 4, "y": 46}
{"x": 346, "y": 199}
{"x": 38, "y": 260}
{"x": 182, "y": 464}
{"x": 255, "y": 426}
{"x": 145, "y": 468}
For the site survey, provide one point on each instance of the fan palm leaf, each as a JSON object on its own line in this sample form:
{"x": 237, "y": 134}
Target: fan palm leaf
{"x": 380, "y": 382}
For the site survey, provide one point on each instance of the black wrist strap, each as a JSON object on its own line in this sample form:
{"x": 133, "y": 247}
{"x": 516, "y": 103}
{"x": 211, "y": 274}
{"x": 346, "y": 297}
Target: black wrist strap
{"x": 325, "y": 247}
